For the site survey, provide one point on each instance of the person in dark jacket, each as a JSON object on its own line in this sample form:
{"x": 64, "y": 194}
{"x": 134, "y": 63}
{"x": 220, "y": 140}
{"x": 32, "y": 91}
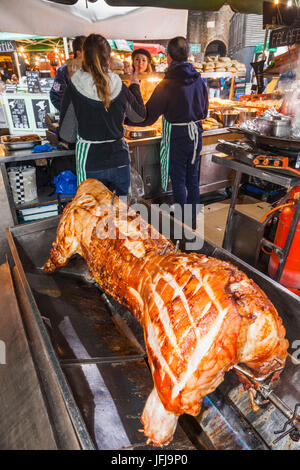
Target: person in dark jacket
{"x": 93, "y": 112}
{"x": 61, "y": 79}
{"x": 181, "y": 97}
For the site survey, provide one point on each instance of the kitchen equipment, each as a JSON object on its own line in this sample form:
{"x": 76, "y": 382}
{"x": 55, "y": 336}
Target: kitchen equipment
{"x": 281, "y": 127}
{"x": 227, "y": 118}
{"x": 225, "y": 410}
{"x": 246, "y": 114}
{"x": 275, "y": 163}
{"x": 136, "y": 133}
{"x": 21, "y": 144}
{"x": 265, "y": 125}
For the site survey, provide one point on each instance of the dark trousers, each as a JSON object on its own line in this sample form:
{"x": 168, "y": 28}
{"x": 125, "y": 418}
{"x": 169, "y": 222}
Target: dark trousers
{"x": 185, "y": 176}
{"x": 117, "y": 179}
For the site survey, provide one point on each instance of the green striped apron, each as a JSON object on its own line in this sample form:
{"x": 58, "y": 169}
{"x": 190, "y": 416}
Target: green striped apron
{"x": 165, "y": 146}
{"x": 81, "y": 153}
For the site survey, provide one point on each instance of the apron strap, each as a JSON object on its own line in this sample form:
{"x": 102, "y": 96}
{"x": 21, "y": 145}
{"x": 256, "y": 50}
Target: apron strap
{"x": 165, "y": 153}
{"x": 194, "y": 135}
{"x": 81, "y": 151}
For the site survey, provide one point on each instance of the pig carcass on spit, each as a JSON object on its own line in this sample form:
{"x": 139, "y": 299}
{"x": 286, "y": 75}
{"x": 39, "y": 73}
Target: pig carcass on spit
{"x": 200, "y": 316}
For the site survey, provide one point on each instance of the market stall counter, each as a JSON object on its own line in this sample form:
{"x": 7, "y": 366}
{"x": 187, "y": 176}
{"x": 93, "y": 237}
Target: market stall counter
{"x": 145, "y": 158}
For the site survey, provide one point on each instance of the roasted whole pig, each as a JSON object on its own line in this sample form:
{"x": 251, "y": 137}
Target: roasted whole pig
{"x": 200, "y": 316}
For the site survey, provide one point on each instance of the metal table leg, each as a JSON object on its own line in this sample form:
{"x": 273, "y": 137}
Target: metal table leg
{"x": 227, "y": 242}
{"x": 9, "y": 194}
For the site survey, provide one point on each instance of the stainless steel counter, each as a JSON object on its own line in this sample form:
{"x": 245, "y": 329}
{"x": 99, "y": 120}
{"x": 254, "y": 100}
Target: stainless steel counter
{"x": 11, "y": 156}
{"x": 145, "y": 158}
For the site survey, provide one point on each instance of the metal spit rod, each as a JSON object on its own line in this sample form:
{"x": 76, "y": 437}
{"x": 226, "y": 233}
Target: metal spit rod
{"x": 268, "y": 394}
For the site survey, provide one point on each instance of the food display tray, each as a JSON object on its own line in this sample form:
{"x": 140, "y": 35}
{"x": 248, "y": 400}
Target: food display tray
{"x": 22, "y": 145}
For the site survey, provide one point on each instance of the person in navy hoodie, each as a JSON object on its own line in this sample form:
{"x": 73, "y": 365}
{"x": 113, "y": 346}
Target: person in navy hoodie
{"x": 182, "y": 98}
{"x": 92, "y": 115}
{"x": 62, "y": 79}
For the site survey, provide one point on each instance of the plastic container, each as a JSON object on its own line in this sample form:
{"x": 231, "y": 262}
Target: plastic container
{"x": 22, "y": 181}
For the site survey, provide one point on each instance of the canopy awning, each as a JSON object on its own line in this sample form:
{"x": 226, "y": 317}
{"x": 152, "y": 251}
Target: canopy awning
{"x": 41, "y": 17}
{"x": 243, "y": 6}
{"x": 154, "y": 49}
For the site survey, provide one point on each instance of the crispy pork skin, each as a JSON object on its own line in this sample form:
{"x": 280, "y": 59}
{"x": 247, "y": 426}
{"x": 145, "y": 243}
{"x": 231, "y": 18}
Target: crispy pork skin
{"x": 200, "y": 316}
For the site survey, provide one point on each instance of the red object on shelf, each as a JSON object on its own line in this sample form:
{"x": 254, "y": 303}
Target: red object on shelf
{"x": 291, "y": 274}
{"x": 154, "y": 49}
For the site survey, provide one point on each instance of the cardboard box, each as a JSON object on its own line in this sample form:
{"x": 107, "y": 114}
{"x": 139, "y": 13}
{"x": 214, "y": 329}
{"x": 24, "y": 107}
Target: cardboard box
{"x": 215, "y": 216}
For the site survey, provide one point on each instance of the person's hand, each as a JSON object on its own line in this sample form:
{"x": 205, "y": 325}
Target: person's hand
{"x": 134, "y": 78}
{"x": 127, "y": 67}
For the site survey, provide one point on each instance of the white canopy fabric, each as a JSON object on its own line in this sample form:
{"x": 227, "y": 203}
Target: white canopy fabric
{"x": 45, "y": 18}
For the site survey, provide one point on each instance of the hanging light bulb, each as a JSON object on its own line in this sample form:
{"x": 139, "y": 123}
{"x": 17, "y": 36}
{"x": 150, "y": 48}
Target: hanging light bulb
{"x": 289, "y": 3}
{"x": 276, "y": 2}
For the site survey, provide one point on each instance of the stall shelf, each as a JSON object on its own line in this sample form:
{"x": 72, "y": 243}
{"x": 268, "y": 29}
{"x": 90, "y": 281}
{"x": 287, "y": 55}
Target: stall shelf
{"x": 23, "y": 157}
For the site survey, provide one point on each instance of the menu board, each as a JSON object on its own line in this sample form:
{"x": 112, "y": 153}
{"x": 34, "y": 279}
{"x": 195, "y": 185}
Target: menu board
{"x": 46, "y": 84}
{"x": 26, "y": 112}
{"x": 18, "y": 112}
{"x": 40, "y": 108}
{"x": 33, "y": 81}
{"x": 284, "y": 37}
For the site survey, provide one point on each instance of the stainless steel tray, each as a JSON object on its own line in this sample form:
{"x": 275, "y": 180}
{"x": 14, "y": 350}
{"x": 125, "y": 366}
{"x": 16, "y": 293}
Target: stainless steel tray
{"x": 22, "y": 145}
{"x": 139, "y": 133}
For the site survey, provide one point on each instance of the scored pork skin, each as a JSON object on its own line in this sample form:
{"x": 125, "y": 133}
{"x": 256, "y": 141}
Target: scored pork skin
{"x": 200, "y": 315}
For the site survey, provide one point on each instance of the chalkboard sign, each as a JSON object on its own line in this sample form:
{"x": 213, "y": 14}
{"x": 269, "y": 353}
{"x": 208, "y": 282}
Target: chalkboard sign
{"x": 17, "y": 109}
{"x": 46, "y": 84}
{"x": 33, "y": 81}
{"x": 10, "y": 87}
{"x": 284, "y": 37}
{"x": 40, "y": 108}
{"x": 8, "y": 46}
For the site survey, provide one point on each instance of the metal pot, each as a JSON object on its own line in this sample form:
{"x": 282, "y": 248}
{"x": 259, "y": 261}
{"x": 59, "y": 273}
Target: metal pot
{"x": 281, "y": 128}
{"x": 265, "y": 126}
{"x": 246, "y": 115}
{"x": 227, "y": 119}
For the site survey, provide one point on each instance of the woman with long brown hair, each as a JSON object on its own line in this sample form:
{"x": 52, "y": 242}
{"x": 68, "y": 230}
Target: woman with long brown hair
{"x": 92, "y": 114}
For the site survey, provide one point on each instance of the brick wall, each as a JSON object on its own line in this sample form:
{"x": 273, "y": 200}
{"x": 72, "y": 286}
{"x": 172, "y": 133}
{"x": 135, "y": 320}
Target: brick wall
{"x": 198, "y": 31}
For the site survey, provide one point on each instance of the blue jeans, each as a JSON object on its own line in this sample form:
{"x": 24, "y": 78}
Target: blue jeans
{"x": 117, "y": 179}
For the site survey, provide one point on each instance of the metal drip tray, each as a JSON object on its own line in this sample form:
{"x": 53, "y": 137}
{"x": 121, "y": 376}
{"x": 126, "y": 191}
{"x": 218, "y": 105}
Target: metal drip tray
{"x": 96, "y": 349}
